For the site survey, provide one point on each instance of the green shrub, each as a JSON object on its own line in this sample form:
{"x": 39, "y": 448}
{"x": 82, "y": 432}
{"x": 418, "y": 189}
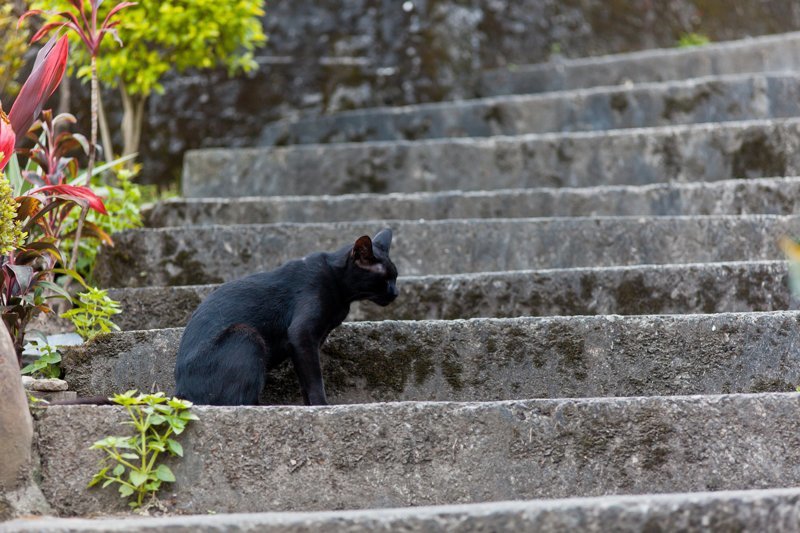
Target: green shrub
{"x": 688, "y": 40}
{"x": 91, "y": 313}
{"x": 132, "y": 462}
{"x": 13, "y": 45}
{"x": 47, "y": 364}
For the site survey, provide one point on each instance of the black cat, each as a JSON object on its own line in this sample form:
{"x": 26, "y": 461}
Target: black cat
{"x": 249, "y": 326}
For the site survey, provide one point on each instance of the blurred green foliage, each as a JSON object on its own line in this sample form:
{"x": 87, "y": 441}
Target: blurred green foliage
{"x": 13, "y": 45}
{"x": 688, "y": 40}
{"x": 173, "y": 35}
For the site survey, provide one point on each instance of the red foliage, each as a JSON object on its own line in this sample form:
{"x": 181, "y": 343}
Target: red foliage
{"x": 48, "y": 70}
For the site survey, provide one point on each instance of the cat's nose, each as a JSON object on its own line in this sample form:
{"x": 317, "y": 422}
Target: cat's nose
{"x": 392, "y": 290}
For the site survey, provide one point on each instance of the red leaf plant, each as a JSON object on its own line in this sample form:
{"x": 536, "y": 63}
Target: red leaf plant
{"x": 86, "y": 27}
{"x": 7, "y": 139}
{"x": 85, "y": 24}
{"x": 27, "y": 272}
{"x": 48, "y": 70}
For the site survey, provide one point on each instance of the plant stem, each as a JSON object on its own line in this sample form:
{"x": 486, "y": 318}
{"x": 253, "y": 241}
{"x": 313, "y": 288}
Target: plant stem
{"x": 95, "y": 114}
{"x": 73, "y": 260}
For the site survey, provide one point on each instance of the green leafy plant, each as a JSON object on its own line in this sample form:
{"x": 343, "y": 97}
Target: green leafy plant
{"x": 13, "y": 44}
{"x": 44, "y": 190}
{"x": 164, "y": 36}
{"x": 91, "y": 313}
{"x": 47, "y": 364}
{"x": 688, "y": 40}
{"x": 123, "y": 200}
{"x": 46, "y": 200}
{"x": 132, "y": 462}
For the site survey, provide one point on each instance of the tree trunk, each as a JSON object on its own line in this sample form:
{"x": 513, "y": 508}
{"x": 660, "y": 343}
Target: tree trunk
{"x": 132, "y": 119}
{"x": 105, "y": 132}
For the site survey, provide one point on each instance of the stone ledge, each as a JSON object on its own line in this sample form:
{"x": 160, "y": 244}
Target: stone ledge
{"x": 403, "y": 454}
{"x": 759, "y": 54}
{"x": 772, "y": 196}
{"x": 705, "y": 152}
{"x": 710, "y": 99}
{"x": 775, "y": 510}
{"x": 636, "y": 290}
{"x": 213, "y": 254}
{"x": 494, "y": 358}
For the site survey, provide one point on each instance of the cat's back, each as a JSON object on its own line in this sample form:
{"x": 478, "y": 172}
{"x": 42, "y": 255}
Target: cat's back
{"x": 263, "y": 300}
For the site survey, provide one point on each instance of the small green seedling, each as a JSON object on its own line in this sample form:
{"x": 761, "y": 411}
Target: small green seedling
{"x": 92, "y": 313}
{"x": 47, "y": 364}
{"x": 131, "y": 462}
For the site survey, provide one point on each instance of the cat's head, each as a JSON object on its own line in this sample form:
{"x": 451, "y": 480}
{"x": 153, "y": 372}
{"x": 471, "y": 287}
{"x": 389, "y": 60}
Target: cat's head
{"x": 372, "y": 274}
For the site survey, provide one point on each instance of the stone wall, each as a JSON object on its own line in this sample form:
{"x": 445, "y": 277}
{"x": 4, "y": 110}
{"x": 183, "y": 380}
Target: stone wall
{"x": 325, "y": 56}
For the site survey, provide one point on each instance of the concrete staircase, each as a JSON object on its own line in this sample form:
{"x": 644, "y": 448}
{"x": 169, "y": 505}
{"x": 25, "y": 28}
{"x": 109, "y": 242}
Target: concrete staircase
{"x": 593, "y": 306}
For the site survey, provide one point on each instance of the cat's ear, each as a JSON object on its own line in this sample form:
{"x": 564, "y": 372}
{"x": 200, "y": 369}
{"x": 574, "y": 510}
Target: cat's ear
{"x": 383, "y": 239}
{"x": 362, "y": 250}
{"x": 364, "y": 256}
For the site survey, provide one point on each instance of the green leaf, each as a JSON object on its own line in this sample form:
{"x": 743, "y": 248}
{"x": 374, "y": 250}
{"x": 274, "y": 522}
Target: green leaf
{"x": 14, "y": 174}
{"x": 98, "y": 477}
{"x": 175, "y": 447}
{"x": 108, "y": 482}
{"x": 125, "y": 490}
{"x": 129, "y": 456}
{"x": 157, "y": 420}
{"x": 137, "y": 478}
{"x": 81, "y": 179}
{"x": 165, "y": 474}
{"x": 108, "y": 442}
{"x": 56, "y": 288}
{"x": 30, "y": 369}
{"x": 186, "y": 415}
{"x": 178, "y": 404}
{"x": 118, "y": 470}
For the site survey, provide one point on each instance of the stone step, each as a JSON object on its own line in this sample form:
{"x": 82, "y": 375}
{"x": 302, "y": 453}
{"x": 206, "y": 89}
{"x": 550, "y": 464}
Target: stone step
{"x": 768, "y": 53}
{"x": 704, "y": 152}
{"x": 502, "y": 359}
{"x": 710, "y": 99}
{"x": 257, "y": 459}
{"x": 775, "y": 510}
{"x": 212, "y": 254}
{"x": 774, "y": 196}
{"x": 637, "y": 290}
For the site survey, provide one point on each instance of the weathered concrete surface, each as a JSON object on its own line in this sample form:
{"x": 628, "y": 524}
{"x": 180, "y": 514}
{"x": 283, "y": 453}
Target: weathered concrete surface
{"x": 705, "y": 152}
{"x": 774, "y": 510}
{"x": 370, "y": 456}
{"x": 212, "y": 254}
{"x": 158, "y": 307}
{"x": 325, "y": 56}
{"x": 637, "y": 290}
{"x": 484, "y": 359}
{"x": 18, "y": 491}
{"x": 761, "y": 54}
{"x": 710, "y": 99}
{"x": 773, "y": 196}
